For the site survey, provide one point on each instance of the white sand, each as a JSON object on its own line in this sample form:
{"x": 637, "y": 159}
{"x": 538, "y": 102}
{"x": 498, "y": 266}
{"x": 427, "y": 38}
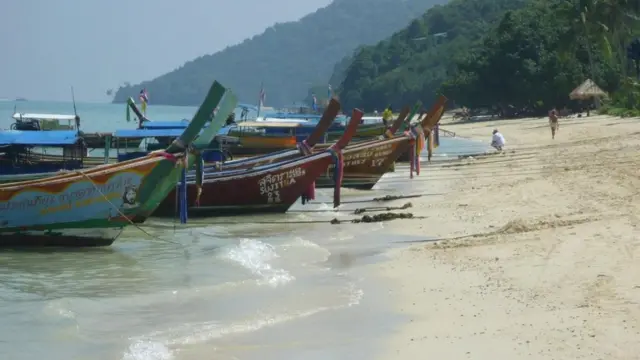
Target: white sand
{"x": 550, "y": 265}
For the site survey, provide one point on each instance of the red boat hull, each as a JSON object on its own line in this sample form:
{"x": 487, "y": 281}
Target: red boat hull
{"x": 272, "y": 189}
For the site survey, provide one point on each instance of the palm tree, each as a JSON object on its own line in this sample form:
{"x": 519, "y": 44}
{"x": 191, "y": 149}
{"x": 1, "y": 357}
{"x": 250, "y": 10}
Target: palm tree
{"x": 610, "y": 23}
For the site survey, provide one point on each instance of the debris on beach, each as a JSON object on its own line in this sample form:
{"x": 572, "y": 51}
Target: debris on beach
{"x": 388, "y": 198}
{"x": 376, "y": 218}
{"x": 382, "y": 208}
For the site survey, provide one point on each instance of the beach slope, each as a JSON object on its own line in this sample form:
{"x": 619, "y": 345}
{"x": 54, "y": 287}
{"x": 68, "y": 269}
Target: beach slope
{"x": 537, "y": 249}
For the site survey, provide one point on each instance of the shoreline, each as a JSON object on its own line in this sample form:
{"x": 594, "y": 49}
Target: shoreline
{"x": 534, "y": 250}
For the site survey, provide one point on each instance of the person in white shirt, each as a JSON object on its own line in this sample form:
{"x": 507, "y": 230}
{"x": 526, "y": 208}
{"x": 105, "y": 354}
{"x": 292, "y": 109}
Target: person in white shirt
{"x": 497, "y": 140}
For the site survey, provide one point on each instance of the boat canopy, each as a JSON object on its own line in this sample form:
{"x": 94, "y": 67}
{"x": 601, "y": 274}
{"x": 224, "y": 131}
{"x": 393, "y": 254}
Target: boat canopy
{"x": 58, "y": 137}
{"x": 147, "y": 133}
{"x": 272, "y": 124}
{"x": 34, "y": 116}
{"x": 281, "y": 115}
{"x": 154, "y": 125}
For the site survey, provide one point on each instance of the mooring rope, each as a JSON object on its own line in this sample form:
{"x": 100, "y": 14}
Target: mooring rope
{"x": 120, "y": 212}
{"x": 335, "y": 221}
{"x": 389, "y": 198}
{"x": 357, "y": 210}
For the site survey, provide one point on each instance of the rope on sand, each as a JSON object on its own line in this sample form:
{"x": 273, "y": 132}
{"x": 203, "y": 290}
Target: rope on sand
{"x": 358, "y": 210}
{"x": 379, "y": 218}
{"x": 382, "y": 208}
{"x": 334, "y": 221}
{"x": 380, "y": 199}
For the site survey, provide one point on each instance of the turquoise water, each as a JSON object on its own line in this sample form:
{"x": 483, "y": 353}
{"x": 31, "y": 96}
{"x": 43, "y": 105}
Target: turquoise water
{"x": 98, "y": 117}
{"x": 94, "y": 117}
{"x": 249, "y": 288}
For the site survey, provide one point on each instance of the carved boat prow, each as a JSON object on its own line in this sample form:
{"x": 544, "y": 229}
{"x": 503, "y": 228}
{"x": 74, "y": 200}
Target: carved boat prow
{"x": 91, "y": 207}
{"x": 329, "y": 115}
{"x": 268, "y": 187}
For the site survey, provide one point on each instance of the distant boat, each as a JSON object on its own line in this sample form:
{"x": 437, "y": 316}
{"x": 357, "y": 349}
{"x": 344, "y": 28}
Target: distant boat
{"x": 21, "y": 99}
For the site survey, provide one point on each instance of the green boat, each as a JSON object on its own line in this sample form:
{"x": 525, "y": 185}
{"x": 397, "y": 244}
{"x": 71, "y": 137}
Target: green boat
{"x": 91, "y": 207}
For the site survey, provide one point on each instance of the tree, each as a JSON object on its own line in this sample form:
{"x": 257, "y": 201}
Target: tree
{"x": 413, "y": 63}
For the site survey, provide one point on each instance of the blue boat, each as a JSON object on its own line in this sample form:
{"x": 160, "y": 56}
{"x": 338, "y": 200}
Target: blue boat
{"x": 26, "y": 152}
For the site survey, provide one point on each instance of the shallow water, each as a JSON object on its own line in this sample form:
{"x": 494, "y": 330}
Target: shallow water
{"x": 230, "y": 290}
{"x": 267, "y": 287}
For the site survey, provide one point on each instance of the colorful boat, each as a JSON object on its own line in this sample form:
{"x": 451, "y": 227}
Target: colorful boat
{"x": 366, "y": 162}
{"x": 58, "y": 122}
{"x": 91, "y": 207}
{"x": 352, "y": 174}
{"x": 18, "y": 158}
{"x": 264, "y": 137}
{"x": 430, "y": 130}
{"x": 266, "y": 188}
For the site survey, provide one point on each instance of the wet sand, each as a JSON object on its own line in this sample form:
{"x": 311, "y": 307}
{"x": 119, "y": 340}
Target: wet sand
{"x": 530, "y": 254}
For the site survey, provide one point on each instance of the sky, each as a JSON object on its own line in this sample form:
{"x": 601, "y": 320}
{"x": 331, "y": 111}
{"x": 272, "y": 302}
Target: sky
{"x": 96, "y": 45}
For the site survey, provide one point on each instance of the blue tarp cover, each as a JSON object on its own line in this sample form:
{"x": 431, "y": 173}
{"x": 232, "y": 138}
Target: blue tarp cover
{"x": 145, "y": 133}
{"x": 165, "y": 124}
{"x": 150, "y": 133}
{"x": 52, "y": 137}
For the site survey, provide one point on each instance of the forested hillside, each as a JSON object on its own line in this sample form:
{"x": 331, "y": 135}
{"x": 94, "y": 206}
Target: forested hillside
{"x": 289, "y": 58}
{"x": 525, "y": 55}
{"x": 414, "y": 62}
{"x": 533, "y": 58}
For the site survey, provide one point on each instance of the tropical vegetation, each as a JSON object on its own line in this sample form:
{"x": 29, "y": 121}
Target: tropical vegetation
{"x": 523, "y": 55}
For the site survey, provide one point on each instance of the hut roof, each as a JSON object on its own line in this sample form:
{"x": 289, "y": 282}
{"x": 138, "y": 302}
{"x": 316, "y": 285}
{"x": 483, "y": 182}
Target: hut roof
{"x": 586, "y": 90}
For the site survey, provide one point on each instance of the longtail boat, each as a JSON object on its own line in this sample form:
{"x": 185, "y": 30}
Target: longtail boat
{"x": 311, "y": 145}
{"x": 17, "y": 155}
{"x": 263, "y": 137}
{"x": 430, "y": 129}
{"x": 55, "y": 122}
{"x": 271, "y": 134}
{"x": 267, "y": 188}
{"x": 91, "y": 207}
{"x": 366, "y": 162}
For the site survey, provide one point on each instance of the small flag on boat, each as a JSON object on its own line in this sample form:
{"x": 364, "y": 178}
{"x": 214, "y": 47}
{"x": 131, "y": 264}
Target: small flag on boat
{"x": 263, "y": 95}
{"x": 144, "y": 99}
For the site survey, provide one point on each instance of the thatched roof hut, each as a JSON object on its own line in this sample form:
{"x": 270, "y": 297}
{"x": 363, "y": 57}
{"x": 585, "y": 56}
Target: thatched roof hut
{"x": 587, "y": 90}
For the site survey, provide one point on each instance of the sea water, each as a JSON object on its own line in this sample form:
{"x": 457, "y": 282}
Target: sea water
{"x": 287, "y": 286}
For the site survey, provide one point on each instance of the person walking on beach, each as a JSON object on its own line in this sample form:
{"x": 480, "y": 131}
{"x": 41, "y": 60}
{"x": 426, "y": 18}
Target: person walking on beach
{"x": 497, "y": 141}
{"x": 553, "y": 122}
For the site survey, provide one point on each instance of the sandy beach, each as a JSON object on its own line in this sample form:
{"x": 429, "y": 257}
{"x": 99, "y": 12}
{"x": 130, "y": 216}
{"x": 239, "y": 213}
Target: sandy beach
{"x": 537, "y": 248}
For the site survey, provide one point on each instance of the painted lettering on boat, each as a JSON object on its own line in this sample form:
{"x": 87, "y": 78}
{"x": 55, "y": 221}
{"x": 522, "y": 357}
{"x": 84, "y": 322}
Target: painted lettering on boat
{"x": 79, "y": 200}
{"x": 374, "y": 157}
{"x": 271, "y": 184}
{"x": 81, "y": 197}
{"x": 84, "y": 202}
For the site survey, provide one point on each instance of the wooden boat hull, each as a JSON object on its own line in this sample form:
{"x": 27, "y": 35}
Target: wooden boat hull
{"x": 256, "y": 145}
{"x": 263, "y": 190}
{"x": 365, "y": 131}
{"x": 250, "y": 145}
{"x": 365, "y": 164}
{"x": 90, "y": 237}
{"x": 66, "y": 209}
{"x": 59, "y": 211}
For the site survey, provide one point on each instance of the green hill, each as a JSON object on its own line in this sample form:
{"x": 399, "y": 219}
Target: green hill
{"x": 516, "y": 56}
{"x": 414, "y": 62}
{"x": 290, "y": 58}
